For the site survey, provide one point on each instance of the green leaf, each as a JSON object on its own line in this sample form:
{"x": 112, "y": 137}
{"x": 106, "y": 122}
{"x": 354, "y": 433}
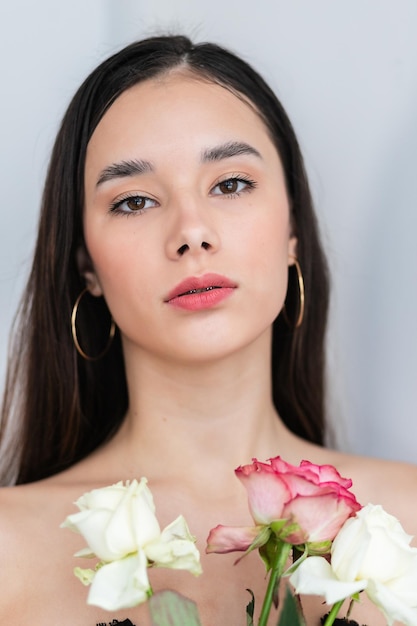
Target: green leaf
{"x": 250, "y": 608}
{"x": 290, "y": 614}
{"x": 258, "y": 542}
{"x": 321, "y": 548}
{"x": 277, "y": 525}
{"x": 168, "y": 608}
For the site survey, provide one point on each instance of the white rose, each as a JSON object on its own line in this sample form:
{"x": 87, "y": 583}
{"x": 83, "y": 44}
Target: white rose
{"x": 372, "y": 553}
{"x": 115, "y": 521}
{"x": 121, "y": 529}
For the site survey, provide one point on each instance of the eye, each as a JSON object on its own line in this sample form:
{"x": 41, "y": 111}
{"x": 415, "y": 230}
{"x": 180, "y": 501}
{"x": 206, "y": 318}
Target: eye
{"x": 132, "y": 204}
{"x": 233, "y": 186}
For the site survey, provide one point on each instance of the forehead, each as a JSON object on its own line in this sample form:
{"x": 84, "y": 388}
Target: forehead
{"x": 177, "y": 110}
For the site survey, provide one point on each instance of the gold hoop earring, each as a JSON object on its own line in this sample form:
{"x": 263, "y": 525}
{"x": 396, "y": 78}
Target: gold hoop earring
{"x": 300, "y": 281}
{"x": 74, "y": 331}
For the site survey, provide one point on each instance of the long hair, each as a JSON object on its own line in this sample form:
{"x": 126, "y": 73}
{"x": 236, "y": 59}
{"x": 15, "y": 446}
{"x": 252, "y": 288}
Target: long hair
{"x": 59, "y": 407}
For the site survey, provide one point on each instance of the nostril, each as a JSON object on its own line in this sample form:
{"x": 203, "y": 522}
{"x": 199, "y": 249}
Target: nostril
{"x": 183, "y": 249}
{"x": 205, "y": 245}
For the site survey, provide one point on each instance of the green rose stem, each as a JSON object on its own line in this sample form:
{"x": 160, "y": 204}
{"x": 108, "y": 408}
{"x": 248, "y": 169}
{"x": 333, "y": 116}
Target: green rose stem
{"x": 277, "y": 562}
{"x": 333, "y": 613}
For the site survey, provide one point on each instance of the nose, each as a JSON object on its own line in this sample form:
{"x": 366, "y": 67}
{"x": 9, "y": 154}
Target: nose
{"x": 192, "y": 230}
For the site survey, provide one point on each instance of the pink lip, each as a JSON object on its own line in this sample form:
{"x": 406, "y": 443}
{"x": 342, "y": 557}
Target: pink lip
{"x": 203, "y": 292}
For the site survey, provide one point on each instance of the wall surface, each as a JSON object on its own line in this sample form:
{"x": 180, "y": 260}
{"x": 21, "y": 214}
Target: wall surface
{"x": 347, "y": 74}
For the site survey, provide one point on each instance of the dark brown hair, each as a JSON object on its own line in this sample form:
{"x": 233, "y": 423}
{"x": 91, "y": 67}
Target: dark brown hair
{"x": 59, "y": 407}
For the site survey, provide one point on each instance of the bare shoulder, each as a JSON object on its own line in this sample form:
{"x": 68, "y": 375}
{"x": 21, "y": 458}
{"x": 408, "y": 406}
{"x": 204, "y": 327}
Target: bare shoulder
{"x": 26, "y": 512}
{"x": 27, "y": 504}
{"x": 22, "y": 544}
{"x": 19, "y": 511}
{"x": 34, "y": 547}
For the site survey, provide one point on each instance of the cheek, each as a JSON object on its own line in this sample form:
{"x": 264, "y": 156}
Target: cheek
{"x": 267, "y": 241}
{"x": 264, "y": 253}
{"x": 112, "y": 244}
{"x": 117, "y": 259}
{"x": 105, "y": 257}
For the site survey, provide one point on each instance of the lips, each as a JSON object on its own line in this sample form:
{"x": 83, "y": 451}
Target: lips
{"x": 200, "y": 292}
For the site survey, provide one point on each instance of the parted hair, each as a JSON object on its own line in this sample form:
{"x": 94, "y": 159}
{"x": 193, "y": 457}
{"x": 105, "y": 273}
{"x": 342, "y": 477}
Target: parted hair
{"x": 57, "y": 406}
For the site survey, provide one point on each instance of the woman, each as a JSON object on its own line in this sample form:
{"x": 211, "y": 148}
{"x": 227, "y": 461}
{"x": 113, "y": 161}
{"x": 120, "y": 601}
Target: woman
{"x": 176, "y": 196}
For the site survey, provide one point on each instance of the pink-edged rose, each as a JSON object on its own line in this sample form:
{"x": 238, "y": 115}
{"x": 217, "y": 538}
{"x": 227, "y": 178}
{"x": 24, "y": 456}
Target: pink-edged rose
{"x": 304, "y": 504}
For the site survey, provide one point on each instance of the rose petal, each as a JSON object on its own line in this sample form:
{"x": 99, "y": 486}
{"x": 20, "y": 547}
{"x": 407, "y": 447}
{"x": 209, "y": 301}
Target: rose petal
{"x": 267, "y": 492}
{"x": 314, "y": 576}
{"x": 175, "y": 548}
{"x": 223, "y": 539}
{"x": 106, "y": 497}
{"x": 133, "y": 523}
{"x": 87, "y": 523}
{"x": 327, "y": 474}
{"x": 308, "y": 473}
{"x": 348, "y": 549}
{"x": 121, "y": 584}
{"x": 393, "y": 606}
{"x": 405, "y": 586}
{"x": 372, "y": 545}
{"x": 319, "y": 517}
{"x": 177, "y": 529}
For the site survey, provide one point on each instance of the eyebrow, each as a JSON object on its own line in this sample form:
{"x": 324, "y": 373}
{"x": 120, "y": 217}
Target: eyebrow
{"x": 228, "y": 150}
{"x": 133, "y": 167}
{"x": 124, "y": 169}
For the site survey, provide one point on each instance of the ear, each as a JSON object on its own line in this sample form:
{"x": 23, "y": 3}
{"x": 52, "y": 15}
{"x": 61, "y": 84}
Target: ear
{"x": 292, "y": 249}
{"x": 86, "y": 269}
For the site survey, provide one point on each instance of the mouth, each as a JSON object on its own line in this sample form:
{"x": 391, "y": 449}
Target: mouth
{"x": 200, "y": 291}
{"x": 191, "y": 291}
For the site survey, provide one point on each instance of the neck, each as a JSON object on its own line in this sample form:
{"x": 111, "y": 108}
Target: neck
{"x": 206, "y": 414}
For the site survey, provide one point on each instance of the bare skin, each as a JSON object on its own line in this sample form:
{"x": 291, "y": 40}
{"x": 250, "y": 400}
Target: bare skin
{"x": 37, "y": 562}
{"x": 214, "y": 412}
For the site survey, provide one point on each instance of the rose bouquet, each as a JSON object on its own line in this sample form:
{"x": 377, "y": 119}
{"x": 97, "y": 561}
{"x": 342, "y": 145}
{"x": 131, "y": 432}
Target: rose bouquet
{"x": 339, "y": 548}
{"x": 342, "y": 548}
{"x": 302, "y": 507}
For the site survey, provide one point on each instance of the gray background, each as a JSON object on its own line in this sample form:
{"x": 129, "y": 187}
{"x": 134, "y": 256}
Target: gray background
{"x": 346, "y": 71}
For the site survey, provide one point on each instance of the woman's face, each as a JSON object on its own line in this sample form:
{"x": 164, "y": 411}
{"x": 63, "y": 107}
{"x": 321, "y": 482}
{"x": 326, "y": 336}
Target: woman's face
{"x": 186, "y": 220}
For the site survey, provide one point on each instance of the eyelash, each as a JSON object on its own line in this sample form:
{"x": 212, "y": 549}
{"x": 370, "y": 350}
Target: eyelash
{"x": 115, "y": 207}
{"x": 248, "y": 183}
